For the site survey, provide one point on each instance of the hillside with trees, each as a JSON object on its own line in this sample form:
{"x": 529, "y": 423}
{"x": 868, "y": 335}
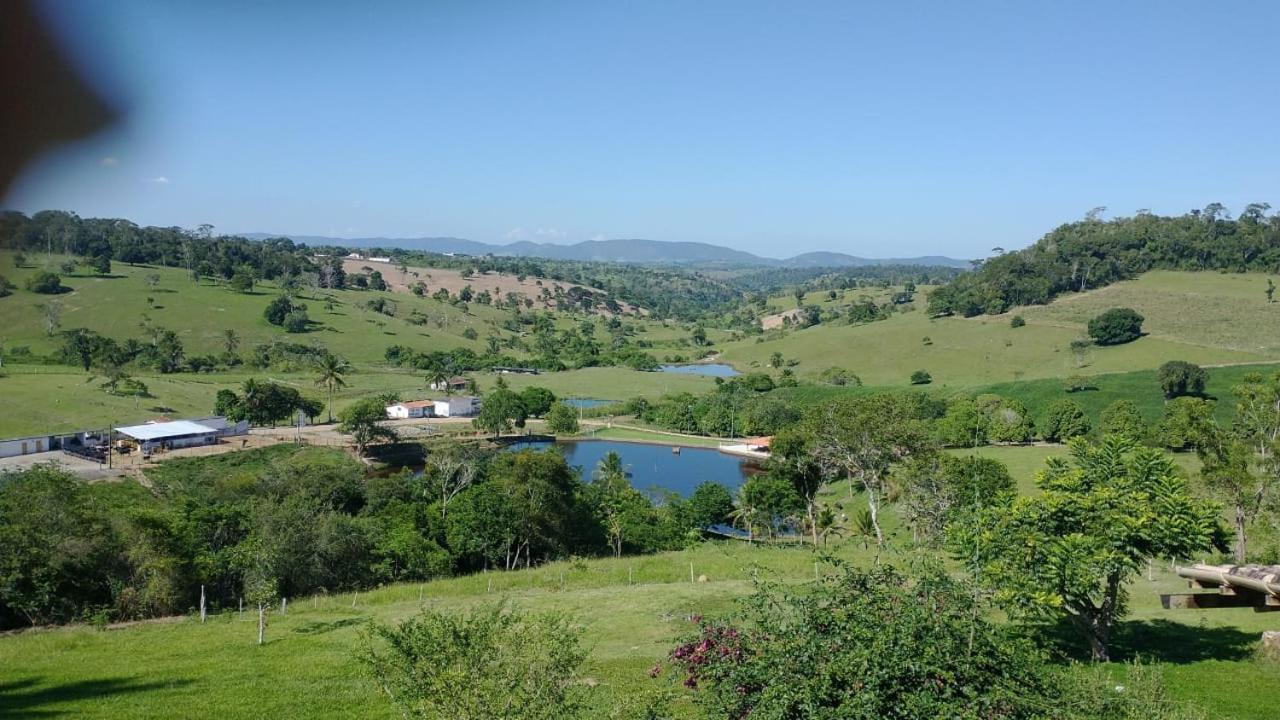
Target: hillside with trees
{"x": 1094, "y": 253}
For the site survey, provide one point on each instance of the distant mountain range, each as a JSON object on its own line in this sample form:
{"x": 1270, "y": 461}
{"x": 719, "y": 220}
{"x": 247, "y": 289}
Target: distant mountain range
{"x": 657, "y": 252}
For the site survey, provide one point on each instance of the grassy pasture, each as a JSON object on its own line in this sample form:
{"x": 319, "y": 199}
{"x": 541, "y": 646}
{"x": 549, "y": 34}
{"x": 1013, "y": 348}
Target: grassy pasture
{"x": 632, "y": 610}
{"x": 1204, "y": 318}
{"x": 199, "y": 312}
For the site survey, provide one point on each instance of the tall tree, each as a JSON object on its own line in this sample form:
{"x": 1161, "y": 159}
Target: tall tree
{"x": 861, "y": 438}
{"x": 331, "y": 373}
{"x": 1101, "y": 516}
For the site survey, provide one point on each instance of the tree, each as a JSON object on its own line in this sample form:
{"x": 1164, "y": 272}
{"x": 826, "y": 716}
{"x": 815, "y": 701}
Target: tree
{"x": 363, "y": 421}
{"x": 710, "y": 504}
{"x": 1017, "y": 321}
{"x": 447, "y": 472}
{"x": 487, "y": 663}
{"x": 1100, "y": 517}
{"x": 46, "y": 283}
{"x": 1178, "y": 378}
{"x": 243, "y": 279}
{"x": 101, "y": 264}
{"x": 940, "y": 489}
{"x": 1116, "y": 327}
{"x": 1065, "y": 420}
{"x": 1241, "y": 466}
{"x": 562, "y": 419}
{"x": 1122, "y": 419}
{"x": 297, "y": 321}
{"x": 699, "y": 335}
{"x": 540, "y": 490}
{"x": 864, "y": 644}
{"x": 6, "y": 287}
{"x": 1009, "y": 420}
{"x": 1185, "y": 423}
{"x": 861, "y": 439}
{"x": 921, "y": 377}
{"x": 330, "y": 374}
{"x": 964, "y": 424}
{"x": 791, "y": 459}
{"x": 537, "y": 401}
{"x": 501, "y": 411}
{"x": 278, "y": 309}
{"x": 775, "y": 360}
{"x": 798, "y": 294}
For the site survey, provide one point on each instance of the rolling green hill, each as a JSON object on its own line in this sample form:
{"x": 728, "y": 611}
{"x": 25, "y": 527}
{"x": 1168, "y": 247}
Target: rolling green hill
{"x": 1205, "y": 318}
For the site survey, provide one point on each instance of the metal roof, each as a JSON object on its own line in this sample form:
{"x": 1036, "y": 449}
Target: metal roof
{"x": 162, "y": 430}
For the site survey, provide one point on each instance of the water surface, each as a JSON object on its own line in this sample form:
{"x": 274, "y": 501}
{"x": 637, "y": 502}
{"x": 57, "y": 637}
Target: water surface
{"x": 655, "y": 466}
{"x": 708, "y": 369}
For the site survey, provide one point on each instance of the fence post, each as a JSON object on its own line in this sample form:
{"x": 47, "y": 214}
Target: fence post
{"x": 202, "y": 610}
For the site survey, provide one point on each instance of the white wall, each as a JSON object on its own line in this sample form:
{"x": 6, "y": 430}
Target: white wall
{"x": 12, "y": 448}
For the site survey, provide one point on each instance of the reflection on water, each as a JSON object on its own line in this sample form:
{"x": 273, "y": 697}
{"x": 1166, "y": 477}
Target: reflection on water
{"x": 655, "y": 466}
{"x": 709, "y": 369}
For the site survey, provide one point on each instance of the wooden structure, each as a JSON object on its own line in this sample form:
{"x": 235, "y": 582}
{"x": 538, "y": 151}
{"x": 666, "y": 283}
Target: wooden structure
{"x": 1255, "y": 586}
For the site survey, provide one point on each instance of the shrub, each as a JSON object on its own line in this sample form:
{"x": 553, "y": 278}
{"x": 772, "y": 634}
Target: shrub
{"x": 562, "y": 419}
{"x": 297, "y": 320}
{"x": 1121, "y": 418}
{"x": 921, "y": 377}
{"x": 839, "y": 376}
{"x": 45, "y": 283}
{"x": 864, "y": 644}
{"x": 1116, "y": 327}
{"x": 278, "y": 309}
{"x": 1017, "y": 321}
{"x": 488, "y": 663}
{"x": 1065, "y": 420}
{"x": 1178, "y": 378}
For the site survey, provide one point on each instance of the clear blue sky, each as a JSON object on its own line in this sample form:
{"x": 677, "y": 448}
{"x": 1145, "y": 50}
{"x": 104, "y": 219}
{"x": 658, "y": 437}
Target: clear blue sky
{"x": 883, "y": 129}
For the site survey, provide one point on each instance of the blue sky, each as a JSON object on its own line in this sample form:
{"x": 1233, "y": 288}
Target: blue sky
{"x": 885, "y": 129}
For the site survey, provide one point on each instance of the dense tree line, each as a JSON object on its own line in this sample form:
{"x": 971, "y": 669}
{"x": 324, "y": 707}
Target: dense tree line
{"x": 199, "y": 251}
{"x": 284, "y": 522}
{"x": 1093, "y": 253}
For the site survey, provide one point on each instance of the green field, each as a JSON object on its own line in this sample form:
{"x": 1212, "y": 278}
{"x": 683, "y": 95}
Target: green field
{"x": 55, "y": 398}
{"x": 632, "y": 611}
{"x": 1204, "y": 318}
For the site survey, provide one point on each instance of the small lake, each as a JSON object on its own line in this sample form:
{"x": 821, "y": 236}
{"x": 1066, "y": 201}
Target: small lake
{"x": 586, "y": 403}
{"x": 654, "y": 466}
{"x": 708, "y": 369}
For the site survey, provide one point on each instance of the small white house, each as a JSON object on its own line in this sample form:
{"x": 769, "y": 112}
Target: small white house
{"x": 411, "y": 409}
{"x": 453, "y": 384}
{"x": 461, "y": 406}
{"x": 380, "y": 259}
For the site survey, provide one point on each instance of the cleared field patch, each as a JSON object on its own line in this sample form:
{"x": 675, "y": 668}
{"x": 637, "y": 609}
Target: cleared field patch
{"x": 116, "y": 306}
{"x": 1217, "y": 310}
{"x": 497, "y": 283}
{"x": 965, "y": 352}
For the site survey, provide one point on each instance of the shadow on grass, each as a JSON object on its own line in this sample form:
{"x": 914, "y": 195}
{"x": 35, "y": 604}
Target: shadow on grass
{"x": 31, "y": 698}
{"x": 320, "y": 628}
{"x": 1160, "y": 640}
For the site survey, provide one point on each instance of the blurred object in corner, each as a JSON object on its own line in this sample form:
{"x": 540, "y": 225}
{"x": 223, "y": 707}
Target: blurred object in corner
{"x": 45, "y": 100}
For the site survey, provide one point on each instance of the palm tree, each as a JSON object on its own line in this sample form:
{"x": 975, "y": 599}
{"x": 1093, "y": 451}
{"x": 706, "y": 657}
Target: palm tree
{"x": 329, "y": 371}
{"x": 230, "y": 341}
{"x": 438, "y": 378}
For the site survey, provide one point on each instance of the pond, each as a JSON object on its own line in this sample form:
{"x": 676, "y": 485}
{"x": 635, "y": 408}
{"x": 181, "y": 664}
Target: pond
{"x": 709, "y": 369}
{"x": 655, "y": 466}
{"x": 586, "y": 403}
